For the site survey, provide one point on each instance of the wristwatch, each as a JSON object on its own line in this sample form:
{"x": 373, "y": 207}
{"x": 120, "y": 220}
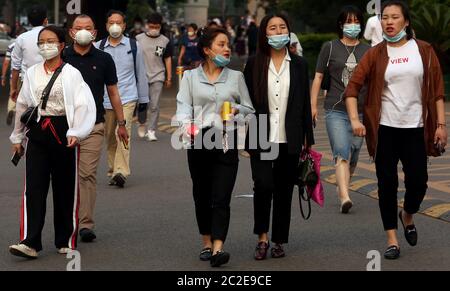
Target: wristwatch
{"x": 121, "y": 123}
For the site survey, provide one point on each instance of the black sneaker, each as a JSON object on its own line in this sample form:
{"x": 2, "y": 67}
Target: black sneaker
{"x": 392, "y": 253}
{"x": 87, "y": 235}
{"x": 219, "y": 259}
{"x": 119, "y": 180}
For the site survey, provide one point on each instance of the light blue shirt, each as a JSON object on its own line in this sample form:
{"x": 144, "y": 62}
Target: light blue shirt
{"x": 207, "y": 98}
{"x": 123, "y": 58}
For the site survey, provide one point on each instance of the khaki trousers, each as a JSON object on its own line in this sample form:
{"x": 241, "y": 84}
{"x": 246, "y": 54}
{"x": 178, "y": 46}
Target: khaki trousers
{"x": 118, "y": 156}
{"x": 90, "y": 152}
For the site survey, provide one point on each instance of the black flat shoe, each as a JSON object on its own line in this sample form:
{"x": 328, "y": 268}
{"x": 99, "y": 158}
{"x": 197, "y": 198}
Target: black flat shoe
{"x": 87, "y": 235}
{"x": 277, "y": 251}
{"x": 392, "y": 253}
{"x": 261, "y": 251}
{"x": 219, "y": 259}
{"x": 205, "y": 254}
{"x": 410, "y": 231}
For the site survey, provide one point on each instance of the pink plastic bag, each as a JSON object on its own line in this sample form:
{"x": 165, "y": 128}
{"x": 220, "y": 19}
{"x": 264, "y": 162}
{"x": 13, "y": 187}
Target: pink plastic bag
{"x": 317, "y": 194}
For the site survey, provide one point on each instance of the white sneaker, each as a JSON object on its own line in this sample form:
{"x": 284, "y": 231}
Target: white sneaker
{"x": 151, "y": 135}
{"x": 23, "y": 251}
{"x": 141, "y": 131}
{"x": 64, "y": 251}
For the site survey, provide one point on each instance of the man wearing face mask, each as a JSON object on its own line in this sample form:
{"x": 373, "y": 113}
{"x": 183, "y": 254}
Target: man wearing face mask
{"x": 98, "y": 70}
{"x": 157, "y": 51}
{"x": 137, "y": 29}
{"x": 133, "y": 87}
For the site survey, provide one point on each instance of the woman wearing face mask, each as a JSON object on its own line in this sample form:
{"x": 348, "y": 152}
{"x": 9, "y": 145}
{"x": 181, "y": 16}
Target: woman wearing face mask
{"x": 404, "y": 117}
{"x": 339, "y": 58}
{"x": 189, "y": 56}
{"x": 67, "y": 116}
{"x": 213, "y": 163}
{"x": 279, "y": 88}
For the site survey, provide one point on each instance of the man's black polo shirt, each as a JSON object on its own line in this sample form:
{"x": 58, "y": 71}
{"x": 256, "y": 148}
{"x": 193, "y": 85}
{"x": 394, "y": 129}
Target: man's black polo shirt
{"x": 98, "y": 69}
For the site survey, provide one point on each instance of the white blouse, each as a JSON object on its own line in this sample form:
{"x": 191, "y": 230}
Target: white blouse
{"x": 278, "y": 93}
{"x": 79, "y": 104}
{"x": 55, "y": 103}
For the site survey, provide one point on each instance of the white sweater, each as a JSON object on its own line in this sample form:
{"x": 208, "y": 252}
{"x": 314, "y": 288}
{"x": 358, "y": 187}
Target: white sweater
{"x": 78, "y": 100}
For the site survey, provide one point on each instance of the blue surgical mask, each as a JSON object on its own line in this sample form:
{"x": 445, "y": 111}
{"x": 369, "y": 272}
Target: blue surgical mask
{"x": 352, "y": 30}
{"x": 396, "y": 38}
{"x": 279, "y": 41}
{"x": 221, "y": 61}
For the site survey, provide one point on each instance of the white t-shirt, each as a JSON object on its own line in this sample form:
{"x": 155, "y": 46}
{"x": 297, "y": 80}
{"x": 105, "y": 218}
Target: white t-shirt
{"x": 374, "y": 31}
{"x": 402, "y": 94}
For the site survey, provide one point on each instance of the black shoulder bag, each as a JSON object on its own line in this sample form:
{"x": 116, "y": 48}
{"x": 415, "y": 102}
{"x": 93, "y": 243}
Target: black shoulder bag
{"x": 326, "y": 81}
{"x": 29, "y": 117}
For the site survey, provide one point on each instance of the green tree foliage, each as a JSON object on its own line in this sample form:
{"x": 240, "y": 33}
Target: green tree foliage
{"x": 431, "y": 22}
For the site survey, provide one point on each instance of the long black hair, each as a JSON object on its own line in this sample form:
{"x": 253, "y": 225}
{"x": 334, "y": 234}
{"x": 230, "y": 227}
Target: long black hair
{"x": 262, "y": 61}
{"x": 405, "y": 12}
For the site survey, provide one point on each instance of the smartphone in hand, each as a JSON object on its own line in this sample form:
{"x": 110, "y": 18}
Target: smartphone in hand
{"x": 16, "y": 158}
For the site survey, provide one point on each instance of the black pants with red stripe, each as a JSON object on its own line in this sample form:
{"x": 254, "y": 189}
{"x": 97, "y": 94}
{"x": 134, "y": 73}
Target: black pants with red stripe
{"x": 49, "y": 159}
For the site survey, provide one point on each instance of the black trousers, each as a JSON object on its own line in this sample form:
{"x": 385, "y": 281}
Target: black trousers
{"x": 407, "y": 146}
{"x": 49, "y": 159}
{"x": 213, "y": 174}
{"x": 274, "y": 180}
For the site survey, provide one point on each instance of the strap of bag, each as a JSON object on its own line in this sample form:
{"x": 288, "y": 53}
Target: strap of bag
{"x": 301, "y": 196}
{"x": 329, "y": 56}
{"x": 46, "y": 92}
{"x": 133, "y": 45}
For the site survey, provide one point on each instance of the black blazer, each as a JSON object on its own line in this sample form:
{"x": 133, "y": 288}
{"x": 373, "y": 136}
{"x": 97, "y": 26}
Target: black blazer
{"x": 299, "y": 125}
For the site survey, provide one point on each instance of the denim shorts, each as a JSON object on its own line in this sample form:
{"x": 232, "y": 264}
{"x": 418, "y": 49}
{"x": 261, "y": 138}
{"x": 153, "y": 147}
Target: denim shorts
{"x": 343, "y": 143}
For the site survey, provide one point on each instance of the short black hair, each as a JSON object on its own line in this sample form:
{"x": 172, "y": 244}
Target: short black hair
{"x": 155, "y": 18}
{"x": 113, "y": 11}
{"x": 193, "y": 26}
{"x": 60, "y": 33}
{"x": 405, "y": 12}
{"x": 207, "y": 37}
{"x": 37, "y": 15}
{"x": 84, "y": 16}
{"x": 347, "y": 11}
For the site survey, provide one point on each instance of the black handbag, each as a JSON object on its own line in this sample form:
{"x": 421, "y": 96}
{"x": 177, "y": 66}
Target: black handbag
{"x": 326, "y": 81}
{"x": 30, "y": 116}
{"x": 306, "y": 176}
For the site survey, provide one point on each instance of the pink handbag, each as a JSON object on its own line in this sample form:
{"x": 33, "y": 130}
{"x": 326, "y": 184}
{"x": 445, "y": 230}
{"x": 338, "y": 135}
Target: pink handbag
{"x": 317, "y": 193}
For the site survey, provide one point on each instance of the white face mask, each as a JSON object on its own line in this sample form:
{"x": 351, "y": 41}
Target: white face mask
{"x": 49, "y": 50}
{"x": 115, "y": 31}
{"x": 84, "y": 37}
{"x": 191, "y": 33}
{"x": 154, "y": 32}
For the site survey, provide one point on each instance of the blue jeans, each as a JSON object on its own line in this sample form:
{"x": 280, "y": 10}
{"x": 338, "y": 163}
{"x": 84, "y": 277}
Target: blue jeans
{"x": 343, "y": 143}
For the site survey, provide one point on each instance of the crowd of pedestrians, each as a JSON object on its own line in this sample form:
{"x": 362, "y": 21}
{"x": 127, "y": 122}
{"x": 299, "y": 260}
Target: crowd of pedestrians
{"x": 72, "y": 98}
